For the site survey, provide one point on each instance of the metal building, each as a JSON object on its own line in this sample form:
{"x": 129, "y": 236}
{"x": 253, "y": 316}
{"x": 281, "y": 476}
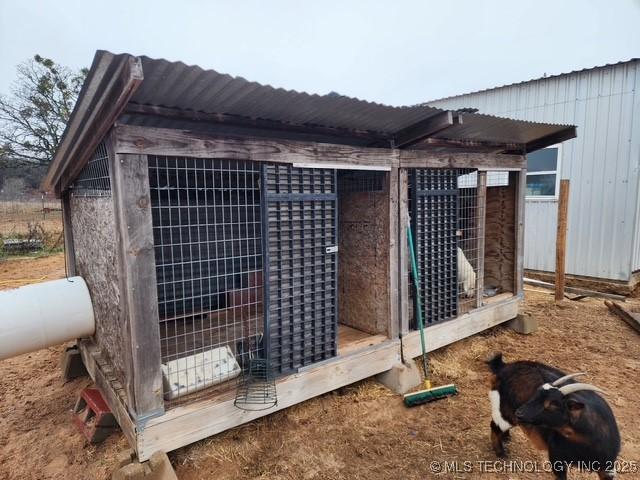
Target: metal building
{"x": 602, "y": 164}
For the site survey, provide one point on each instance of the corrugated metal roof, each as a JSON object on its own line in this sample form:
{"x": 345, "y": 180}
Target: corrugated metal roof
{"x": 544, "y": 77}
{"x": 186, "y": 87}
{"x": 189, "y": 89}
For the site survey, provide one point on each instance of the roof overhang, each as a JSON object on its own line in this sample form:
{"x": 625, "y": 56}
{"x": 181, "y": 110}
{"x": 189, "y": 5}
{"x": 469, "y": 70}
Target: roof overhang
{"x": 161, "y": 94}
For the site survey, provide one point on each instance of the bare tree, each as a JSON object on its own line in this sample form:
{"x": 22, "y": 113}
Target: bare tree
{"x": 33, "y": 117}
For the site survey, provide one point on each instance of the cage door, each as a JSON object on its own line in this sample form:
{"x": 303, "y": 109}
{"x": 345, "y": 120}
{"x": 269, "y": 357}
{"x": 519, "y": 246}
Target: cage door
{"x": 300, "y": 265}
{"x": 434, "y": 219}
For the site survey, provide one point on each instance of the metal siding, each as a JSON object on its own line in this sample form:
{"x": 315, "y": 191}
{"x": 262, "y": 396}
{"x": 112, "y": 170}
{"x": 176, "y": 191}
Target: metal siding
{"x": 602, "y": 164}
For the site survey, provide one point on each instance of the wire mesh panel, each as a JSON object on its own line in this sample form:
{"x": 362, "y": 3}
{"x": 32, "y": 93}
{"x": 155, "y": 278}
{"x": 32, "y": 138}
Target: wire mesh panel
{"x": 208, "y": 251}
{"x": 434, "y": 217}
{"x": 301, "y": 265}
{"x": 468, "y": 252}
{"x": 93, "y": 180}
{"x": 353, "y": 181}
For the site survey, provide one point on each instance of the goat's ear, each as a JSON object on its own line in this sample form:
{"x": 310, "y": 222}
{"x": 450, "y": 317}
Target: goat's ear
{"x": 575, "y": 409}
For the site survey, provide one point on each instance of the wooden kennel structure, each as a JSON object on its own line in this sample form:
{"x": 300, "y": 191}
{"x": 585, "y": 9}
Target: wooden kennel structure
{"x": 210, "y": 215}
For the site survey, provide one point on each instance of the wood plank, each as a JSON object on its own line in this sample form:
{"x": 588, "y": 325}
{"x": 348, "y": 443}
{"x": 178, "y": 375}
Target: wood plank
{"x": 189, "y": 423}
{"x": 403, "y": 249}
{"x": 114, "y": 398}
{"x": 393, "y": 329}
{"x": 165, "y": 141}
{"x": 521, "y": 188}
{"x": 93, "y": 117}
{"x": 633, "y": 319}
{"x": 137, "y": 275}
{"x": 482, "y": 213}
{"x": 69, "y": 251}
{"x": 445, "y": 333}
{"x": 576, "y": 290}
{"x": 561, "y": 238}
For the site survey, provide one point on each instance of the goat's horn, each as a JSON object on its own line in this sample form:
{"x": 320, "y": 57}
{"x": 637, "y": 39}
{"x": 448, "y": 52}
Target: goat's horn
{"x": 566, "y": 378}
{"x": 576, "y": 387}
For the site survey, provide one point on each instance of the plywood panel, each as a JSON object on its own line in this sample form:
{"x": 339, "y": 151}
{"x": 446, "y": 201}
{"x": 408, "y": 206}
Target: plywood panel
{"x": 500, "y": 240}
{"x": 364, "y": 260}
{"x": 92, "y": 221}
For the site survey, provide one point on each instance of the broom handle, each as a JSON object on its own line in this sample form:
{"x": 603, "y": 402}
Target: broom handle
{"x": 416, "y": 283}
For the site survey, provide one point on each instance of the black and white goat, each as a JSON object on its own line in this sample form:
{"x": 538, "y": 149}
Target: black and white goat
{"x": 568, "y": 419}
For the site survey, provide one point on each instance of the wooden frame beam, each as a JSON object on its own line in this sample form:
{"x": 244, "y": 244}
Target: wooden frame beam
{"x": 104, "y": 96}
{"x": 445, "y": 333}
{"x": 137, "y": 283}
{"x": 186, "y": 424}
{"x": 130, "y": 139}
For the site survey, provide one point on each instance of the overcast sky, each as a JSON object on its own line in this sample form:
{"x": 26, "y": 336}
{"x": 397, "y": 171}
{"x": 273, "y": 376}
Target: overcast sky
{"x": 396, "y": 52}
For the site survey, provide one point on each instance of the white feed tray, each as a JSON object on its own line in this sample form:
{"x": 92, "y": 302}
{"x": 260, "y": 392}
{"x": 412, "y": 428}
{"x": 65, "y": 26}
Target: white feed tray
{"x": 198, "y": 371}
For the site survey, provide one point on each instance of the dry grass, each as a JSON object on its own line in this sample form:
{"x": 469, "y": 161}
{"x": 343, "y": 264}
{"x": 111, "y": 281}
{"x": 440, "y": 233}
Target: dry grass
{"x": 362, "y": 431}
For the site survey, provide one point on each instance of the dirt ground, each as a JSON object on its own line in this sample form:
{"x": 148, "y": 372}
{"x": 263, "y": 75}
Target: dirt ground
{"x": 360, "y": 432}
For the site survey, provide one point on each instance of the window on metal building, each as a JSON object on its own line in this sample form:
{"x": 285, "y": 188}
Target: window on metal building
{"x": 543, "y": 173}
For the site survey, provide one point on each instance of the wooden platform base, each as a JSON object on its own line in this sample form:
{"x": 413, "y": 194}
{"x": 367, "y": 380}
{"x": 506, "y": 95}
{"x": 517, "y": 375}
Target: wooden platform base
{"x": 496, "y": 310}
{"x": 359, "y": 356}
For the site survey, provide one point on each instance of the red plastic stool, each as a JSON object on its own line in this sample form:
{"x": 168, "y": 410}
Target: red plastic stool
{"x": 93, "y": 417}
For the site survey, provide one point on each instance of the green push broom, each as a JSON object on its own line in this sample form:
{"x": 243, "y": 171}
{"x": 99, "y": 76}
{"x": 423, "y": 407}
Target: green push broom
{"x": 429, "y": 394}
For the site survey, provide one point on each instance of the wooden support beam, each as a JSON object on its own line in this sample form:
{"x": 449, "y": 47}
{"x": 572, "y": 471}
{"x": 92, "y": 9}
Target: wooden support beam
{"x": 69, "y": 249}
{"x": 403, "y": 249}
{"x": 633, "y": 319}
{"x": 255, "y": 123}
{"x": 561, "y": 238}
{"x": 132, "y": 139}
{"x": 200, "y": 419}
{"x": 393, "y": 275}
{"x": 428, "y": 159}
{"x": 521, "y": 186}
{"x": 424, "y": 128}
{"x": 91, "y": 120}
{"x": 137, "y": 282}
{"x": 441, "y": 334}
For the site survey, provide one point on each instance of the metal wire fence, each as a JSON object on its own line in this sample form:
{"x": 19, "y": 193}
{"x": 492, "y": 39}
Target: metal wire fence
{"x": 207, "y": 234}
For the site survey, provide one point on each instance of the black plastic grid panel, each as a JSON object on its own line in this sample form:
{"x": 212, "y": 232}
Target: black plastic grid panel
{"x": 206, "y": 216}
{"x": 434, "y": 222}
{"x": 93, "y": 180}
{"x": 301, "y": 265}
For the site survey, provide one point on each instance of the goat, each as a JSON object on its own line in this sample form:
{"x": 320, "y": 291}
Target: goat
{"x": 466, "y": 274}
{"x": 568, "y": 419}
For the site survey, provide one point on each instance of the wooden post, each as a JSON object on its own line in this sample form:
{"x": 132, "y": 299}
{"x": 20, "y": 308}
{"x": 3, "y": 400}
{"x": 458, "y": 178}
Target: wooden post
{"x": 403, "y": 249}
{"x": 561, "y": 238}
{"x": 520, "y": 180}
{"x": 393, "y": 329}
{"x": 137, "y": 270}
{"x": 69, "y": 250}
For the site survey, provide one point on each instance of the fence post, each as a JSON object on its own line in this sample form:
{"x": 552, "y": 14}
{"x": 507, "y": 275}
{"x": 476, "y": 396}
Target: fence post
{"x": 561, "y": 238}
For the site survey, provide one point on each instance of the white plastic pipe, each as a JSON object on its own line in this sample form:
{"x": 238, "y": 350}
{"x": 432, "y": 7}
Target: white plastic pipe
{"x": 44, "y": 314}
